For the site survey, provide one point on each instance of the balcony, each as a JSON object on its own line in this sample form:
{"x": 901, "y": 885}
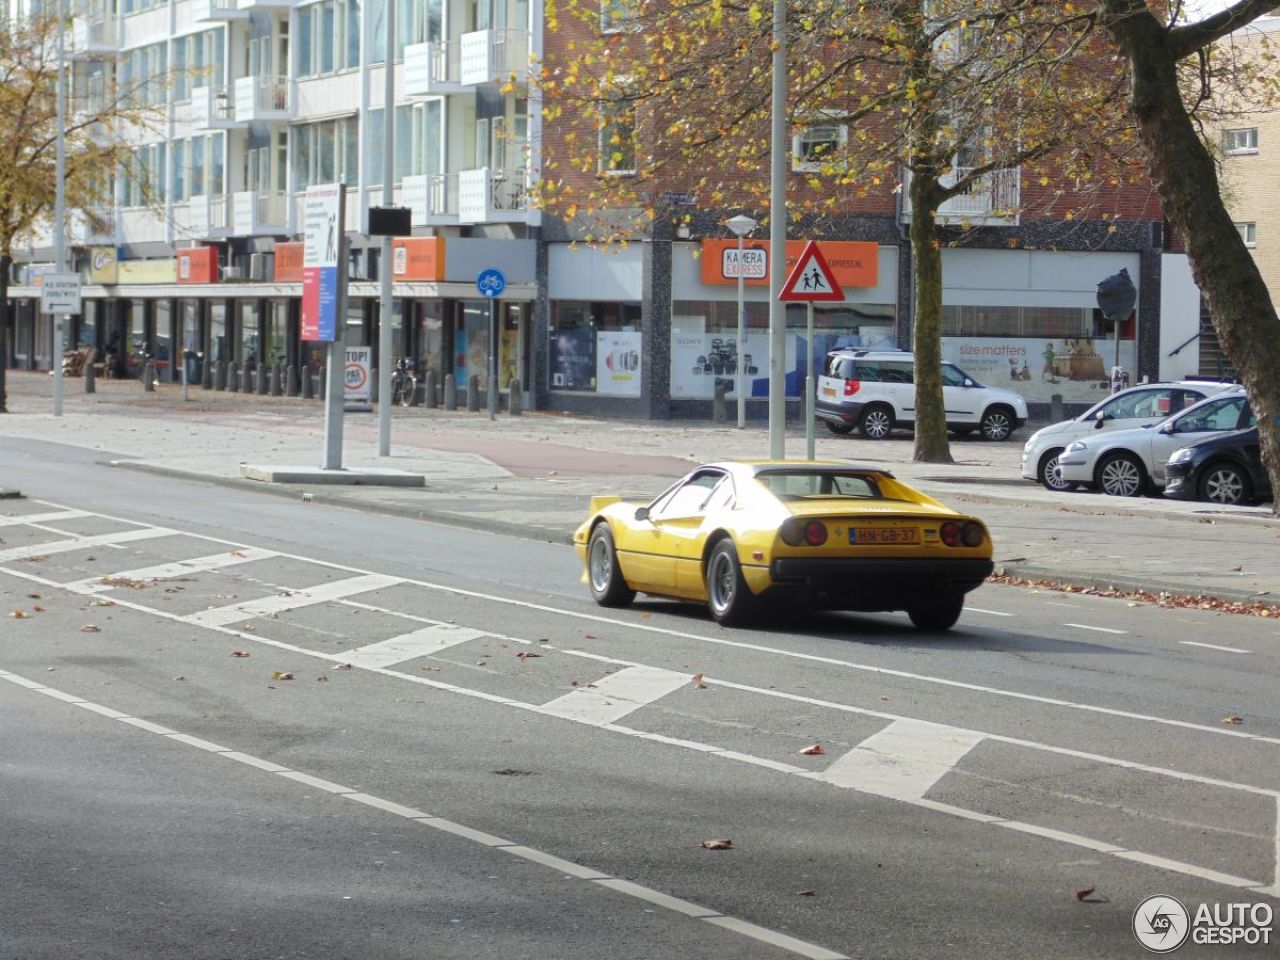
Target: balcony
{"x": 493, "y": 56}
{"x": 266, "y": 4}
{"x": 217, "y": 11}
{"x": 431, "y": 69}
{"x": 493, "y": 196}
{"x": 264, "y": 97}
{"x": 260, "y": 214}
{"x": 211, "y": 109}
{"x": 992, "y": 201}
{"x": 95, "y": 226}
{"x": 207, "y": 217}
{"x": 93, "y": 36}
{"x": 432, "y": 199}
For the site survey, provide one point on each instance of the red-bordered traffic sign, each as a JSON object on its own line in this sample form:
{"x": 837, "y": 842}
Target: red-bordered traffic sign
{"x": 811, "y": 278}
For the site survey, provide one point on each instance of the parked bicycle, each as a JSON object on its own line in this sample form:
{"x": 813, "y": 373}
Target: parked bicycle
{"x": 404, "y": 383}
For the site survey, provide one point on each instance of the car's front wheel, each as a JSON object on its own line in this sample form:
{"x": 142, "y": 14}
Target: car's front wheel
{"x": 876, "y": 422}
{"x": 728, "y": 596}
{"x": 938, "y": 613}
{"x": 1225, "y": 483}
{"x": 997, "y": 424}
{"x": 608, "y": 588}
{"x": 1121, "y": 475}
{"x": 1051, "y": 473}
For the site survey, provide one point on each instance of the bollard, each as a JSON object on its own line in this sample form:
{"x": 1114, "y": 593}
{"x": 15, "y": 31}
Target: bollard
{"x": 149, "y": 376}
{"x": 262, "y": 379}
{"x": 450, "y": 392}
{"x": 473, "y": 393}
{"x": 306, "y": 386}
{"x": 246, "y": 378}
{"x": 373, "y": 385}
{"x": 293, "y": 385}
{"x": 90, "y": 384}
{"x": 429, "y": 397}
{"x": 219, "y": 376}
{"x": 206, "y": 376}
{"x": 322, "y": 385}
{"x": 1055, "y": 408}
{"x": 719, "y": 409}
{"x": 515, "y": 401}
{"x": 233, "y": 378}
{"x": 276, "y": 391}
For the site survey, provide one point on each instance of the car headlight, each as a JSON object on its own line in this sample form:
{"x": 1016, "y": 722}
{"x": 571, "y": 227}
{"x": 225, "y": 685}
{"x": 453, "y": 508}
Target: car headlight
{"x": 1181, "y": 455}
{"x": 1076, "y": 446}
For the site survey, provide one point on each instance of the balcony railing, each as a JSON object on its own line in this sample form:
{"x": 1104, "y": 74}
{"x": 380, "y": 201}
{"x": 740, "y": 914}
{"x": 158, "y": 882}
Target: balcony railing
{"x": 490, "y": 195}
{"x": 213, "y": 109}
{"x": 93, "y": 33}
{"x": 208, "y": 216}
{"x": 431, "y": 198}
{"x": 262, "y": 97}
{"x": 432, "y": 68}
{"x": 494, "y": 56}
{"x": 205, "y": 10}
{"x": 260, "y": 213}
{"x": 991, "y": 200}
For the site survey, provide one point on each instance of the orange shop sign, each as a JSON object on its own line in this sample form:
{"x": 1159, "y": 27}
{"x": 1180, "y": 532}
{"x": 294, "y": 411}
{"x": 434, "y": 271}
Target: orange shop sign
{"x": 417, "y": 258}
{"x": 853, "y": 262}
{"x": 288, "y": 262}
{"x": 198, "y": 265}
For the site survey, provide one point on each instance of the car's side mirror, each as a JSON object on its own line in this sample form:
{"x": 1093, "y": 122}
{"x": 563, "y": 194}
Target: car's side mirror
{"x": 642, "y": 513}
{"x": 1099, "y": 419}
{"x": 968, "y": 382}
{"x": 1169, "y": 427}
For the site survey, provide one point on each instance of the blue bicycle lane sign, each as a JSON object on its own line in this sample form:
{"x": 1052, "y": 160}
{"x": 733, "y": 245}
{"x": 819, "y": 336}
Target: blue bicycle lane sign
{"x": 491, "y": 283}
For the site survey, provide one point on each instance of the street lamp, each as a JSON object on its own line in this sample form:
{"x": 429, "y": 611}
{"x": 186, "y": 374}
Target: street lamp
{"x": 741, "y": 225}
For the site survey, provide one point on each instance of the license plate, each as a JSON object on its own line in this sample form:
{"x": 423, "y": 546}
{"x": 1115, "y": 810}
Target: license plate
{"x": 828, "y": 391}
{"x": 873, "y": 535}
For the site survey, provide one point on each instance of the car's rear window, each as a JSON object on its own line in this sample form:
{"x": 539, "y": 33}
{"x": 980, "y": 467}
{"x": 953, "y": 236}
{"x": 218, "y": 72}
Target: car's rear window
{"x": 798, "y": 484}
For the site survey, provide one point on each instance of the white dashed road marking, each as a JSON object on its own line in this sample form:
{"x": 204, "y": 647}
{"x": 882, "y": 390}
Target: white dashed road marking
{"x": 1085, "y": 626}
{"x": 292, "y": 600}
{"x": 616, "y": 695}
{"x": 990, "y": 613}
{"x": 83, "y": 543}
{"x": 904, "y": 760}
{"x": 180, "y": 568}
{"x": 1214, "y": 646}
{"x": 410, "y": 646}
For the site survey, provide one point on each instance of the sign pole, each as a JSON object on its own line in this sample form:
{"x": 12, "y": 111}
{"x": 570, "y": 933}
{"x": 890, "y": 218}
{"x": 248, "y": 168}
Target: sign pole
{"x": 810, "y": 280}
{"x": 324, "y": 302}
{"x": 742, "y": 342}
{"x": 491, "y": 283}
{"x": 60, "y": 207}
{"x": 386, "y": 299}
{"x": 335, "y": 396}
{"x": 809, "y": 384}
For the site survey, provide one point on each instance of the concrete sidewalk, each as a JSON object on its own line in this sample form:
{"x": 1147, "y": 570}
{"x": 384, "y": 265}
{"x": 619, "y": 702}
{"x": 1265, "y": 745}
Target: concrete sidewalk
{"x": 532, "y": 475}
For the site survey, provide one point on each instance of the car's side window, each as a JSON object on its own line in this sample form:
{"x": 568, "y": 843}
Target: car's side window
{"x": 688, "y": 499}
{"x": 951, "y": 376}
{"x": 1222, "y": 415}
{"x": 896, "y": 372}
{"x": 867, "y": 370}
{"x": 1153, "y": 403}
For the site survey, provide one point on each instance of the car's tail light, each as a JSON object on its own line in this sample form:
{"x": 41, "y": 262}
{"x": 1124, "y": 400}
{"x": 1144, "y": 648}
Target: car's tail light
{"x": 972, "y": 534}
{"x": 951, "y": 534}
{"x": 851, "y": 387}
{"x": 796, "y": 532}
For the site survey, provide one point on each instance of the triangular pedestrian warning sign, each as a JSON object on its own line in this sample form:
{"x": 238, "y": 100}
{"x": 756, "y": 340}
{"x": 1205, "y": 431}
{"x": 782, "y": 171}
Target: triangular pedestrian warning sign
{"x": 811, "y": 279}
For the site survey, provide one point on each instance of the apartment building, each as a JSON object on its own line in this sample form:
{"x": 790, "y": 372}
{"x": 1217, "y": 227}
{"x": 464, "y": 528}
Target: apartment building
{"x": 263, "y": 98}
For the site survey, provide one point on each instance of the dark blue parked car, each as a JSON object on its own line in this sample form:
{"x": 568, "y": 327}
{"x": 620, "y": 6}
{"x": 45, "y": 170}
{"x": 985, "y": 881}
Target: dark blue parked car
{"x": 1226, "y": 468}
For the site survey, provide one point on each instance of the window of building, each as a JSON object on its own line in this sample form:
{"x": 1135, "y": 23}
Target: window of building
{"x": 329, "y": 37}
{"x": 145, "y": 177}
{"x": 596, "y": 347}
{"x": 1244, "y": 140}
{"x": 617, "y": 131}
{"x": 326, "y": 152}
{"x": 617, "y": 15}
{"x": 817, "y": 144}
{"x": 1248, "y": 233}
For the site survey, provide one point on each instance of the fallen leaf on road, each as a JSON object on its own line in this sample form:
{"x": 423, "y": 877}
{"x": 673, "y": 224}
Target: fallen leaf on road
{"x": 282, "y": 675}
{"x": 249, "y": 628}
{"x": 806, "y": 893}
{"x": 125, "y": 582}
{"x": 1233, "y": 720}
{"x": 525, "y": 655}
{"x": 37, "y": 559}
{"x": 697, "y": 682}
{"x": 814, "y": 751}
{"x": 34, "y": 596}
{"x": 237, "y": 553}
{"x": 322, "y": 679}
{"x": 341, "y": 666}
{"x": 18, "y": 614}
{"x": 37, "y": 608}
{"x": 431, "y": 669}
{"x": 239, "y": 653}
{"x": 102, "y": 603}
{"x": 716, "y": 844}
{"x": 1236, "y": 569}
{"x": 179, "y": 677}
{"x": 90, "y": 628}
{"x": 589, "y": 636}
{"x": 1081, "y": 894}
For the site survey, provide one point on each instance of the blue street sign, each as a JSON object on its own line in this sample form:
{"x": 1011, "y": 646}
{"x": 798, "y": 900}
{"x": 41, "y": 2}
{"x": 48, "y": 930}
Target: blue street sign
{"x": 491, "y": 283}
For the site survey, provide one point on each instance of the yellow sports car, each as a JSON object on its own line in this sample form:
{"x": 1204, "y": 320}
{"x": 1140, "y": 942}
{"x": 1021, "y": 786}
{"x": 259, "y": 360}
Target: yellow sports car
{"x": 832, "y": 535}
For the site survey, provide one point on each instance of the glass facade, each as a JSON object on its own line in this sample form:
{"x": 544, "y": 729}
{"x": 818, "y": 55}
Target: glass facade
{"x": 596, "y": 347}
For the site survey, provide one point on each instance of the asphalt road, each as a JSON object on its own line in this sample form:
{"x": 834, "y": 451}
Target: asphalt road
{"x": 469, "y": 759}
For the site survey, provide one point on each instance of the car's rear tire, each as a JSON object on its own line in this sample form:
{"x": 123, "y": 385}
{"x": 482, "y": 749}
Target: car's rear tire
{"x": 1121, "y": 475}
{"x": 876, "y": 421}
{"x": 939, "y": 613}
{"x": 842, "y": 429}
{"x": 729, "y": 598}
{"x": 1225, "y": 483}
{"x": 997, "y": 424}
{"x": 1050, "y": 472}
{"x": 608, "y": 588}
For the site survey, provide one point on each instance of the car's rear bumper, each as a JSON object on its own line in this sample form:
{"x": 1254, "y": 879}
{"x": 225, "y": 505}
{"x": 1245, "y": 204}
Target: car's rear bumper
{"x": 877, "y": 583}
{"x": 837, "y": 412}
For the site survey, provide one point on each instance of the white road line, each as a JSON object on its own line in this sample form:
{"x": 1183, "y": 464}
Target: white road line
{"x": 29, "y": 519}
{"x": 904, "y": 760}
{"x": 627, "y": 887}
{"x": 83, "y": 543}
{"x": 990, "y": 613}
{"x": 1085, "y": 626}
{"x": 1214, "y": 646}
{"x": 410, "y": 646}
{"x": 322, "y": 593}
{"x": 167, "y": 571}
{"x": 616, "y": 695}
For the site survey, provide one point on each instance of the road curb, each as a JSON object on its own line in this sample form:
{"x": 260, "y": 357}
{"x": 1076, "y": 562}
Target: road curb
{"x": 1089, "y": 582}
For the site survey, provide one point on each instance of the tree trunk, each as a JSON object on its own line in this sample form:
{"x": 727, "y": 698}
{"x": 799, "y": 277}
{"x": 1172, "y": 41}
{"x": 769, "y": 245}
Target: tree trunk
{"x": 5, "y": 322}
{"x": 1184, "y": 175}
{"x": 926, "y": 342}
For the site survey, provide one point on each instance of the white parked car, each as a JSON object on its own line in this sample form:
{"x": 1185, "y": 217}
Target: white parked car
{"x": 875, "y": 391}
{"x": 1137, "y": 406}
{"x": 1129, "y": 463}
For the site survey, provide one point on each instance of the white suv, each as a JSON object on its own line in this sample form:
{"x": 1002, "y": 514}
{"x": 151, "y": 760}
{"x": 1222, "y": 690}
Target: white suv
{"x": 1138, "y": 406}
{"x": 875, "y": 391}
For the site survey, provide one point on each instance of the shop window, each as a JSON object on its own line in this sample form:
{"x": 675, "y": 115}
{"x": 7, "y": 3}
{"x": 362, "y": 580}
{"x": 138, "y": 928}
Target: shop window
{"x": 596, "y": 347}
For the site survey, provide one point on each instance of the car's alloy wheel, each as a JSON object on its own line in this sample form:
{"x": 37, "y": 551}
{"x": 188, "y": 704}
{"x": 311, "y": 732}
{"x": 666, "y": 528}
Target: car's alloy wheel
{"x": 1051, "y": 473}
{"x": 728, "y": 596}
{"x": 1224, "y": 483}
{"x": 1121, "y": 475}
{"x": 940, "y": 612}
{"x": 608, "y": 588}
{"x": 997, "y": 424}
{"x": 876, "y": 422}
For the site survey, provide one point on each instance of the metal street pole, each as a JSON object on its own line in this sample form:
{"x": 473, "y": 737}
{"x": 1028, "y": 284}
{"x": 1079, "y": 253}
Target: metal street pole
{"x": 60, "y": 204}
{"x": 809, "y": 390}
{"x": 386, "y": 304}
{"x": 741, "y": 225}
{"x": 778, "y": 238}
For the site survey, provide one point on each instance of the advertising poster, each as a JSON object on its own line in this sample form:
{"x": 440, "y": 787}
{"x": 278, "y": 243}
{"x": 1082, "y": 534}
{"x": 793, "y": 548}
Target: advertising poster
{"x": 618, "y": 363}
{"x": 321, "y": 249}
{"x": 356, "y": 375}
{"x": 507, "y": 367}
{"x": 1038, "y": 367}
{"x": 572, "y": 365}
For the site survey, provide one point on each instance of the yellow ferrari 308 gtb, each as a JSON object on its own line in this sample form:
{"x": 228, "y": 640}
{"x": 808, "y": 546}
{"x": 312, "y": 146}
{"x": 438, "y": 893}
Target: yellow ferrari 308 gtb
{"x": 830, "y": 535}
